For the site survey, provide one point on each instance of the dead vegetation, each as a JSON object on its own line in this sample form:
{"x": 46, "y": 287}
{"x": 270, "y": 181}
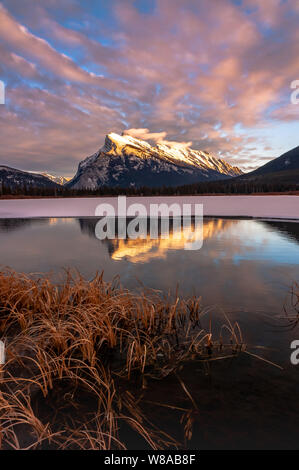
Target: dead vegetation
{"x": 80, "y": 356}
{"x": 291, "y": 308}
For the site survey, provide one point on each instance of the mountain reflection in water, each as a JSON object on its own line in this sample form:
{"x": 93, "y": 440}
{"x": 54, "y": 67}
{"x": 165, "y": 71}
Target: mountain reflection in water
{"x": 243, "y": 263}
{"x": 142, "y": 250}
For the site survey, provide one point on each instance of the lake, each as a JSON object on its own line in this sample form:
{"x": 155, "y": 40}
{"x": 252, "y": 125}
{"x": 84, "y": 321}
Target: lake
{"x": 245, "y": 267}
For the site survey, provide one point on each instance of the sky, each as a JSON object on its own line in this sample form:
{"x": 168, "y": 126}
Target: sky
{"x": 210, "y": 75}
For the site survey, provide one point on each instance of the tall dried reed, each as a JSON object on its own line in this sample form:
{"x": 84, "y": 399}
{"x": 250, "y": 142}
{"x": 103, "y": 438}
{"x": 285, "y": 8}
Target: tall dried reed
{"x": 80, "y": 353}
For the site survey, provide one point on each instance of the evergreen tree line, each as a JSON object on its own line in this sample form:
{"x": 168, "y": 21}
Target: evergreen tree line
{"x": 212, "y": 187}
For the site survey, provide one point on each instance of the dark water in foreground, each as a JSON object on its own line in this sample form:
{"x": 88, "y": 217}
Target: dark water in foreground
{"x": 245, "y": 267}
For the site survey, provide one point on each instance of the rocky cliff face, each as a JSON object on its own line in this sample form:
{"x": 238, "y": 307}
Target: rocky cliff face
{"x": 125, "y": 161}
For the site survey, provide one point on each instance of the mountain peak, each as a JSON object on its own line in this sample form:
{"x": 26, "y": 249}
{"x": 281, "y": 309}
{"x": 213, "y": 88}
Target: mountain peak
{"x": 115, "y": 143}
{"x": 14, "y": 178}
{"x": 286, "y": 163}
{"x": 125, "y": 161}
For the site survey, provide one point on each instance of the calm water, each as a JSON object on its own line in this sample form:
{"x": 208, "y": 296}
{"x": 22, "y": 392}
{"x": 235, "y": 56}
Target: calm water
{"x": 246, "y": 267}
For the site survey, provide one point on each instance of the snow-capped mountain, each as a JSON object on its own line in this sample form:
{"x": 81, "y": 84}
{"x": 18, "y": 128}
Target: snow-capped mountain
{"x": 13, "y": 178}
{"x": 57, "y": 179}
{"x": 125, "y": 161}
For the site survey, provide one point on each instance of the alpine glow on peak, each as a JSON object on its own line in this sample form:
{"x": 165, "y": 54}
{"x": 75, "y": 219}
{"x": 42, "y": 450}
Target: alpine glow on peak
{"x": 126, "y": 161}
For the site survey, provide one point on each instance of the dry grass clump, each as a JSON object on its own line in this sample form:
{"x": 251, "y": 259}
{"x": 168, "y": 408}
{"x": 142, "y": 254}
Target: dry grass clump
{"x": 291, "y": 308}
{"x": 80, "y": 354}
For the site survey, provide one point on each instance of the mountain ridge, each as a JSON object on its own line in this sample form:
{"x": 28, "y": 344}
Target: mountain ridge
{"x": 139, "y": 164}
{"x": 285, "y": 162}
{"x": 62, "y": 180}
{"x": 126, "y": 161}
{"x": 14, "y": 178}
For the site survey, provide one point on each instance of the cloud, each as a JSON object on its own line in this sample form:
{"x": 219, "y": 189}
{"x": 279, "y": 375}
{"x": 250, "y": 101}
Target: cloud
{"x": 174, "y": 144}
{"x": 19, "y": 38}
{"x": 177, "y": 75}
{"x": 145, "y": 134}
{"x": 156, "y": 137}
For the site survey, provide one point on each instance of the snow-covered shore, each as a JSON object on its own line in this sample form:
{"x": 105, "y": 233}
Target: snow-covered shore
{"x": 276, "y": 207}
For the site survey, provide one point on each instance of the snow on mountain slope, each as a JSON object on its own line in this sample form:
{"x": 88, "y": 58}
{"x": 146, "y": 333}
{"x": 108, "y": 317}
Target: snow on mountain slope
{"x": 125, "y": 161}
{"x": 57, "y": 179}
{"x": 13, "y": 178}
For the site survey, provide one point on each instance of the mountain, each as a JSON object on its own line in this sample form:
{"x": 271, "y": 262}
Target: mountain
{"x": 13, "y": 178}
{"x": 124, "y": 161}
{"x": 57, "y": 179}
{"x": 284, "y": 169}
{"x": 286, "y": 162}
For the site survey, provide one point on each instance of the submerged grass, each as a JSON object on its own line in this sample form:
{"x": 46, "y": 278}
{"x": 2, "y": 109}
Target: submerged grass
{"x": 80, "y": 355}
{"x": 291, "y": 309}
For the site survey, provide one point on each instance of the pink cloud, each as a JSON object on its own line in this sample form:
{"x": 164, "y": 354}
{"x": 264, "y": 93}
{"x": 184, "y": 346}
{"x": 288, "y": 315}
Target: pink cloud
{"x": 157, "y": 137}
{"x": 183, "y": 70}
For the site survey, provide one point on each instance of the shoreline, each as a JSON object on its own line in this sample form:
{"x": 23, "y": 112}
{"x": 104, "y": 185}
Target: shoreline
{"x": 284, "y": 207}
{"x": 20, "y": 198}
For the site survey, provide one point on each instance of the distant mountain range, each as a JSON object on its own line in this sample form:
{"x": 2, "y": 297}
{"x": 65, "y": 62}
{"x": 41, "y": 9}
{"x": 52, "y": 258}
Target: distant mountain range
{"x": 57, "y": 179}
{"x": 13, "y": 178}
{"x": 124, "y": 161}
{"x": 284, "y": 169}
